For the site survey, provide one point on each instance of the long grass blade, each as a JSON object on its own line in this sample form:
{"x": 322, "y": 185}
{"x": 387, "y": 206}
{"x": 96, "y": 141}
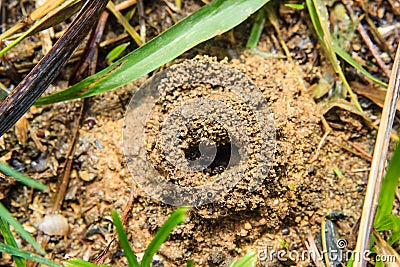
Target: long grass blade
{"x": 27, "y": 255}
{"x": 212, "y": 19}
{"x": 378, "y": 162}
{"x": 176, "y": 217}
{"x": 6, "y": 169}
{"x": 9, "y": 239}
{"x": 6, "y": 215}
{"x": 344, "y": 55}
{"x": 123, "y": 241}
{"x": 389, "y": 188}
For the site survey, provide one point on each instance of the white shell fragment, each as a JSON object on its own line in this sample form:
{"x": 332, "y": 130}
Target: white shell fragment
{"x": 54, "y": 224}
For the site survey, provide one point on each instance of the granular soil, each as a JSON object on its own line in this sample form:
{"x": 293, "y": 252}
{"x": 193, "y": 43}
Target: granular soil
{"x": 299, "y": 191}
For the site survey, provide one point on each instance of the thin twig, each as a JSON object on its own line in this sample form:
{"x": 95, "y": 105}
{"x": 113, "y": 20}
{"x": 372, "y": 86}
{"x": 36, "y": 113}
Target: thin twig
{"x": 37, "y": 81}
{"x": 361, "y": 150}
{"x": 125, "y": 4}
{"x": 89, "y": 58}
{"x": 368, "y": 42}
{"x": 99, "y": 259}
{"x": 378, "y": 162}
{"x": 62, "y": 187}
{"x": 315, "y": 254}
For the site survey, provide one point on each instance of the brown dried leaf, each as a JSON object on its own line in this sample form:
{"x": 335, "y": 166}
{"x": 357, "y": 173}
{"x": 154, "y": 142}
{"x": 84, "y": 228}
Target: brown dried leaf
{"x": 21, "y": 131}
{"x": 340, "y": 103}
{"x": 374, "y": 94}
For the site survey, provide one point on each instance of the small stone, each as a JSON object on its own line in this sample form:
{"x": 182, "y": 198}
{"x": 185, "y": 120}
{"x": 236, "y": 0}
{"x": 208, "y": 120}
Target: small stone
{"x": 243, "y": 232}
{"x": 285, "y": 231}
{"x": 54, "y": 224}
{"x": 381, "y": 12}
{"x": 262, "y": 221}
{"x": 247, "y": 226}
{"x": 356, "y": 47}
{"x": 74, "y": 174}
{"x": 86, "y": 176}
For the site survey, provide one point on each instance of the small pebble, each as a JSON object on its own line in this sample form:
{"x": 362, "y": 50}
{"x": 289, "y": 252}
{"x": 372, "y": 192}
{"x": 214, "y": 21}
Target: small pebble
{"x": 86, "y": 176}
{"x": 243, "y": 232}
{"x": 40, "y": 134}
{"x": 54, "y": 224}
{"x": 247, "y": 226}
{"x": 285, "y": 231}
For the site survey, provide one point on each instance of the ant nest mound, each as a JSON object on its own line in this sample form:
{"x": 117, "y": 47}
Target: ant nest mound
{"x": 250, "y": 137}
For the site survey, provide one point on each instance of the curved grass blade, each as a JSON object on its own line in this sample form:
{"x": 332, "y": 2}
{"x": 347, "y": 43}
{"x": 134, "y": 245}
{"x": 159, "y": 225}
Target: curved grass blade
{"x": 176, "y": 217}
{"x": 6, "y": 215}
{"x": 212, "y": 19}
{"x": 123, "y": 241}
{"x": 344, "y": 55}
{"x": 6, "y": 169}
{"x": 9, "y": 239}
{"x": 248, "y": 260}
{"x": 27, "y": 255}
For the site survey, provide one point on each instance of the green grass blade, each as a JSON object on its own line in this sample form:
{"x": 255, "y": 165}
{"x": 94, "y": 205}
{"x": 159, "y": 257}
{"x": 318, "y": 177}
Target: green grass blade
{"x": 343, "y": 54}
{"x": 81, "y": 263}
{"x": 256, "y": 30}
{"x": 189, "y": 263}
{"x": 248, "y": 260}
{"x": 296, "y": 6}
{"x": 27, "y": 255}
{"x": 116, "y": 52}
{"x": 319, "y": 17}
{"x": 319, "y": 20}
{"x": 9, "y": 239}
{"x": 212, "y": 19}
{"x": 6, "y": 169}
{"x": 176, "y": 217}
{"x": 388, "y": 190}
{"x": 123, "y": 241}
{"x": 6, "y": 215}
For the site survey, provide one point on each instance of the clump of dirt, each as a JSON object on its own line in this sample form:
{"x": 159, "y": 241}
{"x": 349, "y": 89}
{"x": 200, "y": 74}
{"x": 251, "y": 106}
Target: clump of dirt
{"x": 282, "y": 193}
{"x": 298, "y": 192}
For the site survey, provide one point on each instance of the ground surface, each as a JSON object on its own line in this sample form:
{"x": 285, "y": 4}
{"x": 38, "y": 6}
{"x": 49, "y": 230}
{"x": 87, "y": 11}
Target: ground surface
{"x": 300, "y": 192}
